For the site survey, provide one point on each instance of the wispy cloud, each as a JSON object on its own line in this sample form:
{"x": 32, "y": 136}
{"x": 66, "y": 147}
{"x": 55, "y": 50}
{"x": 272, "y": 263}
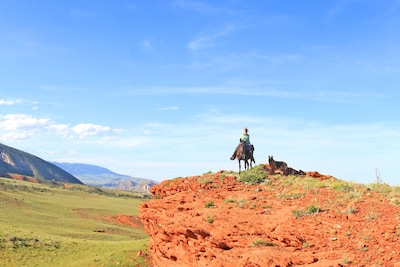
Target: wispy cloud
{"x": 146, "y": 45}
{"x": 63, "y": 89}
{"x": 9, "y": 102}
{"x": 82, "y": 13}
{"x": 277, "y": 59}
{"x": 267, "y": 88}
{"x": 170, "y": 108}
{"x": 193, "y": 5}
{"x": 205, "y": 41}
{"x": 338, "y": 7}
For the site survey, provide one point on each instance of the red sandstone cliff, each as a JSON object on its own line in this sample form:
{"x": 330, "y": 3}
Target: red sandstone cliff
{"x": 213, "y": 220}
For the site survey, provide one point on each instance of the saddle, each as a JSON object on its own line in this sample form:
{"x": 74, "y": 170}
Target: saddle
{"x": 248, "y": 148}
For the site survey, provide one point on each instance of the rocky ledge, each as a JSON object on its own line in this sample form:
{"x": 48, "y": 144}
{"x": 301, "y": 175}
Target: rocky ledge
{"x": 215, "y": 220}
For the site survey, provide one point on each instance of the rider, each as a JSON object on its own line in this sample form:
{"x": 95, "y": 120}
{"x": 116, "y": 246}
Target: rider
{"x": 245, "y": 138}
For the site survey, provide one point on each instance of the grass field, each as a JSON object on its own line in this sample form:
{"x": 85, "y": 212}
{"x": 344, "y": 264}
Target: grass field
{"x": 69, "y": 225}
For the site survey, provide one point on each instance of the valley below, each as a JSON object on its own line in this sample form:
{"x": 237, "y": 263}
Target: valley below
{"x": 63, "y": 224}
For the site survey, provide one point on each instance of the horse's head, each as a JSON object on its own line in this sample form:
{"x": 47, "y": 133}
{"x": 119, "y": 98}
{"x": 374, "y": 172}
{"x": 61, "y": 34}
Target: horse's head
{"x": 271, "y": 162}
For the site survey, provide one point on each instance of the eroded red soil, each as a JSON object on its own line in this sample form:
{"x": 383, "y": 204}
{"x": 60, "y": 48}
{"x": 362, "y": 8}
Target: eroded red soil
{"x": 21, "y": 177}
{"x": 213, "y": 220}
{"x": 121, "y": 219}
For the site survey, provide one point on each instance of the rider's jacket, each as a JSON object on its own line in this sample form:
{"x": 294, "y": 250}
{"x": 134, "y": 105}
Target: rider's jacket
{"x": 245, "y": 138}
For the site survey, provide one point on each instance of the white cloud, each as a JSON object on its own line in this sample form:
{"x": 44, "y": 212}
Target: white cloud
{"x": 9, "y": 102}
{"x": 22, "y": 126}
{"x": 89, "y": 129}
{"x": 61, "y": 129}
{"x": 22, "y": 122}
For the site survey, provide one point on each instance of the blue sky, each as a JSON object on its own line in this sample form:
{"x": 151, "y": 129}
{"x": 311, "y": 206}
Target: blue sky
{"x": 163, "y": 89}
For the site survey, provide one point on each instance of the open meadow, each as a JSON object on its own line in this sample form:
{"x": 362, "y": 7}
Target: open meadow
{"x": 59, "y": 224}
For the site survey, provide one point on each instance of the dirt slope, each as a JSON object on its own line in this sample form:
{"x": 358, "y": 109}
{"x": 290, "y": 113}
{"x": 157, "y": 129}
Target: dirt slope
{"x": 213, "y": 220}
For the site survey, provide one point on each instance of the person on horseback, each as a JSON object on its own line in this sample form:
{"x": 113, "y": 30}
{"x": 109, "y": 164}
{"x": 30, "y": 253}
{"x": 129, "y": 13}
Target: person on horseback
{"x": 245, "y": 138}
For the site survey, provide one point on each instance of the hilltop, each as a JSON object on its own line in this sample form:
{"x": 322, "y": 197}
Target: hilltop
{"x": 262, "y": 219}
{"x": 20, "y": 165}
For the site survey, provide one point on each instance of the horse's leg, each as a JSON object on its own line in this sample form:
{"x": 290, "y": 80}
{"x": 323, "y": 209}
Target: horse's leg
{"x": 239, "y": 164}
{"x": 247, "y": 158}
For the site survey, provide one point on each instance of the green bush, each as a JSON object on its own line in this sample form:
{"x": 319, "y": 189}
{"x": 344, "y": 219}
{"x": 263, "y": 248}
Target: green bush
{"x": 312, "y": 209}
{"x": 210, "y": 204}
{"x": 256, "y": 175}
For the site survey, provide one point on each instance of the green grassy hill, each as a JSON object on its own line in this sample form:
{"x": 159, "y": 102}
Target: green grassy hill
{"x": 56, "y": 224}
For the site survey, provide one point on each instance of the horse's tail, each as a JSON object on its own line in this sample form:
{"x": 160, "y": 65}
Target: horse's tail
{"x": 234, "y": 155}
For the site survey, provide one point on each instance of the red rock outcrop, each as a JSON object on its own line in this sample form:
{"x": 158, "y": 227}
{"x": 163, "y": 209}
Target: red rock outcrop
{"x": 213, "y": 220}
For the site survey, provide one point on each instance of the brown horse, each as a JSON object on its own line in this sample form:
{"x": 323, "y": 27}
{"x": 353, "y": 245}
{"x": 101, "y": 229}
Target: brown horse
{"x": 277, "y": 166}
{"x": 245, "y": 155}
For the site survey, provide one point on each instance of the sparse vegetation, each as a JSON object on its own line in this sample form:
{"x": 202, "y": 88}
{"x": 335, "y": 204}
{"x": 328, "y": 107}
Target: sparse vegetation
{"x": 209, "y": 204}
{"x": 350, "y": 209}
{"x": 312, "y": 209}
{"x": 252, "y": 206}
{"x": 210, "y": 218}
{"x": 308, "y": 211}
{"x": 290, "y": 195}
{"x": 298, "y": 213}
{"x": 397, "y": 229}
{"x": 372, "y": 215}
{"x": 204, "y": 181}
{"x": 230, "y": 200}
{"x": 261, "y": 242}
{"x": 241, "y": 203}
{"x": 346, "y": 261}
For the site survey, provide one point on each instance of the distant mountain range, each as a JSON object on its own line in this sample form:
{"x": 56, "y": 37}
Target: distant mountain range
{"x": 20, "y": 165}
{"x": 99, "y": 176}
{"x": 17, "y": 164}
